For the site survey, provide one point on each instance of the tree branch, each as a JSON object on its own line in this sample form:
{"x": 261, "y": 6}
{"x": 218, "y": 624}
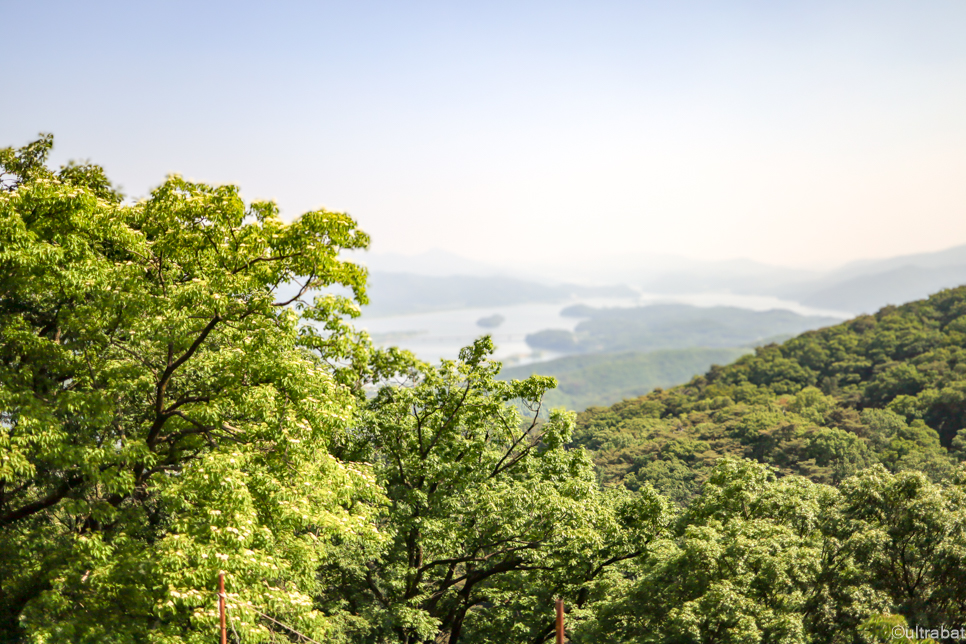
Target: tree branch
{"x": 52, "y": 499}
{"x": 166, "y": 378}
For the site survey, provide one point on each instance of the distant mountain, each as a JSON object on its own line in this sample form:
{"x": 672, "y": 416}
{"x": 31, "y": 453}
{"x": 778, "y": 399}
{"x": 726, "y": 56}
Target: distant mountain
{"x": 668, "y": 274}
{"x": 671, "y": 326}
{"x": 866, "y": 286}
{"x": 654, "y": 272}
{"x": 950, "y": 257}
{"x": 735, "y": 276}
{"x": 867, "y": 293}
{"x": 400, "y": 293}
{"x": 857, "y": 287}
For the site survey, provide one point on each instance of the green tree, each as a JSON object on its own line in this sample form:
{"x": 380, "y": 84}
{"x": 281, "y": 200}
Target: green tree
{"x": 740, "y": 566}
{"x": 754, "y": 558}
{"x": 909, "y": 536}
{"x": 164, "y": 411}
{"x": 489, "y": 517}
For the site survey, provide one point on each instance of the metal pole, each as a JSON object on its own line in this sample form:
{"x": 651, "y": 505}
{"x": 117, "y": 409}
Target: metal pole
{"x": 221, "y": 607}
{"x": 560, "y": 622}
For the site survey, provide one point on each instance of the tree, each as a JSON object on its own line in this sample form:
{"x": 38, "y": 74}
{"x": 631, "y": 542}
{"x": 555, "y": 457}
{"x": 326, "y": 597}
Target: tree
{"x": 489, "y": 517}
{"x": 909, "y": 535}
{"x": 748, "y": 561}
{"x": 164, "y": 411}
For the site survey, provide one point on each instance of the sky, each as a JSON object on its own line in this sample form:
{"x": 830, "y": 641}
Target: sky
{"x": 791, "y": 133}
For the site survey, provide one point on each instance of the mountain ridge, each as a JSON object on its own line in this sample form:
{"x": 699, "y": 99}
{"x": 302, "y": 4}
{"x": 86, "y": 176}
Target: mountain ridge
{"x": 886, "y": 389}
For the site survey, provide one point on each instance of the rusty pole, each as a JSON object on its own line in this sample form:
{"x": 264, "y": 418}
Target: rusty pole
{"x": 560, "y": 622}
{"x": 221, "y": 607}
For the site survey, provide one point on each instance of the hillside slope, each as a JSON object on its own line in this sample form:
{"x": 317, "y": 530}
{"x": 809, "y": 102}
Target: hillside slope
{"x": 887, "y": 388}
{"x": 604, "y": 379}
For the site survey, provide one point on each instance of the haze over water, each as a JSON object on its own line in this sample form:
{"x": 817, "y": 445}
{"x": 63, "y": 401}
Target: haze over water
{"x": 441, "y": 334}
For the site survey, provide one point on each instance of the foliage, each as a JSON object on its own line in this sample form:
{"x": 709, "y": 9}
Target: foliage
{"x": 482, "y": 507}
{"x": 884, "y": 389}
{"x": 173, "y": 405}
{"x": 909, "y": 535}
{"x": 742, "y": 566}
{"x": 758, "y": 558}
{"x": 163, "y": 416}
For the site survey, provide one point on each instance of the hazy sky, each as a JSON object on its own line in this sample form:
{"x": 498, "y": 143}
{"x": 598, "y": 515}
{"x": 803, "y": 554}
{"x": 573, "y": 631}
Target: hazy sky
{"x": 793, "y": 133}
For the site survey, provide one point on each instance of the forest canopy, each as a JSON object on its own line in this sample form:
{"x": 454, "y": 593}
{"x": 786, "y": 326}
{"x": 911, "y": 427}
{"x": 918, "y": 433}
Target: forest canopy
{"x": 165, "y": 415}
{"x": 886, "y": 389}
{"x": 180, "y": 397}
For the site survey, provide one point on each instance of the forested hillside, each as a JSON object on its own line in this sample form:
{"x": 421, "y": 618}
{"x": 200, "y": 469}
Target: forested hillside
{"x": 605, "y": 378}
{"x": 887, "y": 389}
{"x": 627, "y": 352}
{"x": 170, "y": 421}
